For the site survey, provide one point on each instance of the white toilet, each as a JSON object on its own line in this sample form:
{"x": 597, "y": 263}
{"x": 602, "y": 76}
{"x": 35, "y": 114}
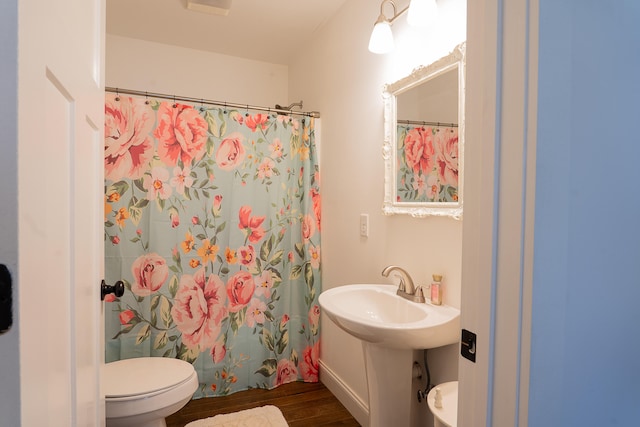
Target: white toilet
{"x": 141, "y": 392}
{"x": 447, "y": 414}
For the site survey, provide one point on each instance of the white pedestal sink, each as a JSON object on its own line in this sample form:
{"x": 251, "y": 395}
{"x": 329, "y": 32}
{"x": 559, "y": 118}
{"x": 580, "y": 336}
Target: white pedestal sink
{"x": 390, "y": 328}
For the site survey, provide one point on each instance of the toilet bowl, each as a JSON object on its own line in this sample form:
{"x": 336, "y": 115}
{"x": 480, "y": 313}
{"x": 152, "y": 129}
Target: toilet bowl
{"x": 447, "y": 414}
{"x": 141, "y": 392}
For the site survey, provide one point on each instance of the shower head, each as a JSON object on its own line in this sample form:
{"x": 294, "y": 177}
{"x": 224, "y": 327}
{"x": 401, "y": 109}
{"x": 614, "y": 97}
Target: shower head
{"x": 282, "y": 110}
{"x": 295, "y": 104}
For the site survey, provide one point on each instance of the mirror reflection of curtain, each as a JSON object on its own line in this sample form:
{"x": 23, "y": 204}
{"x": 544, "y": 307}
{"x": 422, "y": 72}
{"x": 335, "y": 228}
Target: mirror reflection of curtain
{"x": 427, "y": 164}
{"x": 212, "y": 220}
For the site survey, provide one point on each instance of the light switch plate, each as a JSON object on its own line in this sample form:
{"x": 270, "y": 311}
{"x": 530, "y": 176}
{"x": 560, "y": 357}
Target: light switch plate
{"x": 364, "y": 225}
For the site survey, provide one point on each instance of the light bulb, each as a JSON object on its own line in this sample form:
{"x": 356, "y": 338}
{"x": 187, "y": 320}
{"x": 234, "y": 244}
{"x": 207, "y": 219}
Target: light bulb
{"x": 422, "y": 13}
{"x": 381, "y": 40}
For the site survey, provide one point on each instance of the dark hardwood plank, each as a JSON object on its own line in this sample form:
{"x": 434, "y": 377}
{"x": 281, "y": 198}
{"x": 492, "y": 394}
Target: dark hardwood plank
{"x": 302, "y": 404}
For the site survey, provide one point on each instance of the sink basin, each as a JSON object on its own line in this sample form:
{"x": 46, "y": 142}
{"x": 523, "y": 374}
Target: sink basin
{"x": 391, "y": 328}
{"x": 375, "y": 314}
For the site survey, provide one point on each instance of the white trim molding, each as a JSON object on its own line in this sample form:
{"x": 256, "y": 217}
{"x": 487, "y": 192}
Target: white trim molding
{"x": 349, "y": 399}
{"x": 499, "y": 209}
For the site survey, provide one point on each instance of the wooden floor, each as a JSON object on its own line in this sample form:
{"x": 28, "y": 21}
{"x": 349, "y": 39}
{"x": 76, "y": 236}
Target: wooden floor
{"x": 302, "y": 404}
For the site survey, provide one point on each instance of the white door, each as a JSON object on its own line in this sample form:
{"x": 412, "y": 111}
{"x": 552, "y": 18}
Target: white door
{"x": 60, "y": 146}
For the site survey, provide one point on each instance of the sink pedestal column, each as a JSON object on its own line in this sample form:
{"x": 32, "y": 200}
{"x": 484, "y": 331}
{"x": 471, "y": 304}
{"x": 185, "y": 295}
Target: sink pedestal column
{"x": 389, "y": 384}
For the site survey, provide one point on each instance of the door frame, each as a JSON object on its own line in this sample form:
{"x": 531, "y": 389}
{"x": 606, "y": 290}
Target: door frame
{"x": 497, "y": 251}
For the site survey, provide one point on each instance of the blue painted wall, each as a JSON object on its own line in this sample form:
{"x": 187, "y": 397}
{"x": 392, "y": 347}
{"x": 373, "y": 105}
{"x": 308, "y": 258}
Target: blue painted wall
{"x": 9, "y": 344}
{"x": 585, "y": 358}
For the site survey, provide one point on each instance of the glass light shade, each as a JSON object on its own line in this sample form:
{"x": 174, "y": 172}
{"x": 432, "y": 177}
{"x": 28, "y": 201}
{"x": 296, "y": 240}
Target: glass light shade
{"x": 381, "y": 40}
{"x": 422, "y": 13}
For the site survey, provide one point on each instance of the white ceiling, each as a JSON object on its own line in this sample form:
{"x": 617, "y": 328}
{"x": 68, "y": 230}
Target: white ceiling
{"x": 263, "y": 30}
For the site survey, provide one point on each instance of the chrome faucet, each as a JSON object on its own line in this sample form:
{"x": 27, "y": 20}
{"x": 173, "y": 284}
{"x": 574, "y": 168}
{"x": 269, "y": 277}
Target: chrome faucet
{"x": 406, "y": 288}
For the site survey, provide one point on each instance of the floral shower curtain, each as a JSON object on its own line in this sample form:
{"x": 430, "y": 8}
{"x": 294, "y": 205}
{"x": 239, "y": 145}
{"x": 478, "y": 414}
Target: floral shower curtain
{"x": 427, "y": 158}
{"x": 212, "y": 220}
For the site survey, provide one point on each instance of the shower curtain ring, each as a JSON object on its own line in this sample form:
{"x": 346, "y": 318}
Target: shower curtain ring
{"x": 146, "y": 98}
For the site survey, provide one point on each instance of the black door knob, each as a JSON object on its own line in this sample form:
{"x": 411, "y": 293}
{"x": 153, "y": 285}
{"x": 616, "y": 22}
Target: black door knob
{"x": 117, "y": 289}
{"x": 6, "y": 299}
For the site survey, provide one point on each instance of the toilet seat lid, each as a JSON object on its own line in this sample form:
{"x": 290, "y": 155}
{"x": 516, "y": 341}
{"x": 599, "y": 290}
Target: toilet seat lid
{"x": 143, "y": 375}
{"x": 448, "y": 414}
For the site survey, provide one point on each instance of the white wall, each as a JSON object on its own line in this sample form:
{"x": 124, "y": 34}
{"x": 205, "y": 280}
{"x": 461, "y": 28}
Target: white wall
{"x": 9, "y": 344}
{"x": 153, "y": 67}
{"x": 342, "y": 79}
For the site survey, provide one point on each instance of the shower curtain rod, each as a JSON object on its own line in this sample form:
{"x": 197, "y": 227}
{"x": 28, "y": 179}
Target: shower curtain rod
{"x": 119, "y": 91}
{"x": 418, "y": 122}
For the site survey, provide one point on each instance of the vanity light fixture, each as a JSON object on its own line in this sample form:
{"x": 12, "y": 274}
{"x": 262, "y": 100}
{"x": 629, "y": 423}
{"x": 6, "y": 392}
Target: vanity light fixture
{"x": 421, "y": 13}
{"x": 381, "y": 40}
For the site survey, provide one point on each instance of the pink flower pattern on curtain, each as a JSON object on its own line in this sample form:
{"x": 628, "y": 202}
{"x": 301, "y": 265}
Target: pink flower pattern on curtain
{"x": 212, "y": 220}
{"x": 427, "y": 164}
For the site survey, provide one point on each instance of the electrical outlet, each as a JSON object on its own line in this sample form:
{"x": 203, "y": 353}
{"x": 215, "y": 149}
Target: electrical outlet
{"x": 364, "y": 225}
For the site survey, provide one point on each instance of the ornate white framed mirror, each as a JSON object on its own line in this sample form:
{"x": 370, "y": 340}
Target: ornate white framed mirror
{"x": 423, "y": 146}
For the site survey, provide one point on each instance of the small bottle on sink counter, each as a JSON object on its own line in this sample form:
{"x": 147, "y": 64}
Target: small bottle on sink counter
{"x": 436, "y": 289}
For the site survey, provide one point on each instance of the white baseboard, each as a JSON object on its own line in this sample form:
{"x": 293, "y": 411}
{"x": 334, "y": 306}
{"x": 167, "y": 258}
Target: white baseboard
{"x": 358, "y": 409}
